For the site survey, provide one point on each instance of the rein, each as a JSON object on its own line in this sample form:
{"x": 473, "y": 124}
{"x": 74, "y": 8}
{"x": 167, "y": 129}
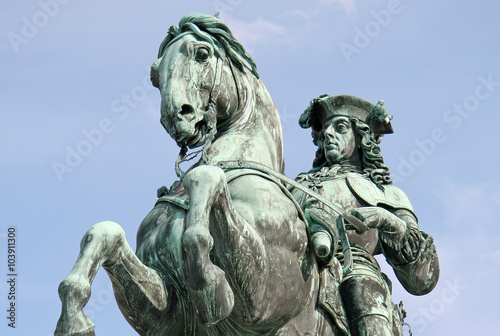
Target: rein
{"x": 344, "y": 216}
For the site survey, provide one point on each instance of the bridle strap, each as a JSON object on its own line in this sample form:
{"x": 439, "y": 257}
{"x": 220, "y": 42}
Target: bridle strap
{"x": 210, "y": 115}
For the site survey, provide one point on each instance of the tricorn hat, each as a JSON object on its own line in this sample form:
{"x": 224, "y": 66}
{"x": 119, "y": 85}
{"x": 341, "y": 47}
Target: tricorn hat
{"x": 325, "y": 107}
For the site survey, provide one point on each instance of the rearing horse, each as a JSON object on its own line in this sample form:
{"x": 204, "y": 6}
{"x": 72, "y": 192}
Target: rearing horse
{"x": 224, "y": 251}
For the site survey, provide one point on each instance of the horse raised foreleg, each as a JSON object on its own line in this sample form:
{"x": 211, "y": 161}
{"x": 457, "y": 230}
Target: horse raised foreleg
{"x": 211, "y": 214}
{"x": 209, "y": 289}
{"x": 260, "y": 243}
{"x": 104, "y": 244}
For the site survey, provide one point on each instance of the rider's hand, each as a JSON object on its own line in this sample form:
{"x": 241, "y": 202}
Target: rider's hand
{"x": 392, "y": 229}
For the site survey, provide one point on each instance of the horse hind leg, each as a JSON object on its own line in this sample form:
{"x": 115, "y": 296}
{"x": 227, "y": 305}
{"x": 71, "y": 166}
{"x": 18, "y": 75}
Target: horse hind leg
{"x": 104, "y": 244}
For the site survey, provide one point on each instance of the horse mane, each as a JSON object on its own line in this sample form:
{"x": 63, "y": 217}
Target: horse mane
{"x": 214, "y": 31}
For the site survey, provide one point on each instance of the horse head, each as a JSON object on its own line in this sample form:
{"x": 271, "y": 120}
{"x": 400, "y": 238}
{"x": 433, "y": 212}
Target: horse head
{"x": 193, "y": 61}
{"x": 210, "y": 90}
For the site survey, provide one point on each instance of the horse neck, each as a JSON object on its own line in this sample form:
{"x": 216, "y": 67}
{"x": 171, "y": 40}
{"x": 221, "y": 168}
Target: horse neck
{"x": 253, "y": 132}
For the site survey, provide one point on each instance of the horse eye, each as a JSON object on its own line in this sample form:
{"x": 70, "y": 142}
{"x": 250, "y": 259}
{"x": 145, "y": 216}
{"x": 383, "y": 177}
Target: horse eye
{"x": 202, "y": 54}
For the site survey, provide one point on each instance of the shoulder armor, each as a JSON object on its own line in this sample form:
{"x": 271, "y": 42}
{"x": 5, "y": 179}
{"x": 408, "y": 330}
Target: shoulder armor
{"x": 367, "y": 191}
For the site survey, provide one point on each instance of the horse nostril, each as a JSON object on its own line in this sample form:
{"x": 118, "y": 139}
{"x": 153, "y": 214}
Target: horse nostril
{"x": 186, "y": 109}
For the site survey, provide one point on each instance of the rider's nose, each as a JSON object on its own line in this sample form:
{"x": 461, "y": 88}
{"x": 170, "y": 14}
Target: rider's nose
{"x": 330, "y": 132}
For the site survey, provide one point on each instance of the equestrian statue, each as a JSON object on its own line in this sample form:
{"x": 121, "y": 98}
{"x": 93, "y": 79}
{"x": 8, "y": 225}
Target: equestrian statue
{"x": 228, "y": 248}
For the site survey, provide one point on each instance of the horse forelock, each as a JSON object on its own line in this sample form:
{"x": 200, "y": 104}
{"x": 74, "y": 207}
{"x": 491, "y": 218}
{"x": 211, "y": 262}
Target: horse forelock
{"x": 215, "y": 32}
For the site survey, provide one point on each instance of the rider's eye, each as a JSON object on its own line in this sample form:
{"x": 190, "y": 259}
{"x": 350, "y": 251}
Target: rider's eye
{"x": 202, "y": 54}
{"x": 342, "y": 127}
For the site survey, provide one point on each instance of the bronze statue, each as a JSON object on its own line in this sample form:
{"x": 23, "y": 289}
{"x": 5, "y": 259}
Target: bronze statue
{"x": 226, "y": 249}
{"x": 349, "y": 170}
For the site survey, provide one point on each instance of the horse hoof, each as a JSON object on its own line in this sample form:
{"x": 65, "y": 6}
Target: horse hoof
{"x": 74, "y": 293}
{"x": 74, "y": 325}
{"x": 214, "y": 302}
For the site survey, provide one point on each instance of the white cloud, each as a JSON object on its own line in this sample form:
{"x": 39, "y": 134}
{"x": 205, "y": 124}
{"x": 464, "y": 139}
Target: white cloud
{"x": 349, "y": 5}
{"x": 257, "y": 31}
{"x": 306, "y": 15}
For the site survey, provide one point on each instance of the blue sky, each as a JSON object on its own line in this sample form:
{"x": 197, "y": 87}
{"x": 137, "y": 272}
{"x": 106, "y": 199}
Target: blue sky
{"x": 74, "y": 70}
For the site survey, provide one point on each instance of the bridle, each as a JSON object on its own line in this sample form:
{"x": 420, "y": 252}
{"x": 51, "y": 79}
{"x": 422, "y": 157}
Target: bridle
{"x": 210, "y": 118}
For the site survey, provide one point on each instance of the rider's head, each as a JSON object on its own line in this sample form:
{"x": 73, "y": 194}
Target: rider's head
{"x": 347, "y": 130}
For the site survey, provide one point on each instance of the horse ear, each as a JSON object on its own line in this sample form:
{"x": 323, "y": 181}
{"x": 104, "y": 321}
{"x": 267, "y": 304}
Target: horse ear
{"x": 216, "y": 15}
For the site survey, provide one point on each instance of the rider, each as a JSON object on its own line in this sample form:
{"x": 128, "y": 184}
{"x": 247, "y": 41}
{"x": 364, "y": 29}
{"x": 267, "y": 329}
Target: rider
{"x": 349, "y": 170}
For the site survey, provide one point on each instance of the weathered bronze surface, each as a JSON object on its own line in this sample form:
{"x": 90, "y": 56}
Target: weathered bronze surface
{"x": 227, "y": 249}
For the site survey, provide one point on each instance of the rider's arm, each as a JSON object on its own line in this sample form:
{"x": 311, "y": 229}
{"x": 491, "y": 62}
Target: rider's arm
{"x": 416, "y": 263}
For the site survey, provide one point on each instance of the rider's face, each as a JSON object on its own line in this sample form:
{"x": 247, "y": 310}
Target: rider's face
{"x": 339, "y": 140}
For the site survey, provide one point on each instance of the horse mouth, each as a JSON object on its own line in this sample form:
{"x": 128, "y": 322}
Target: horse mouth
{"x": 197, "y": 138}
